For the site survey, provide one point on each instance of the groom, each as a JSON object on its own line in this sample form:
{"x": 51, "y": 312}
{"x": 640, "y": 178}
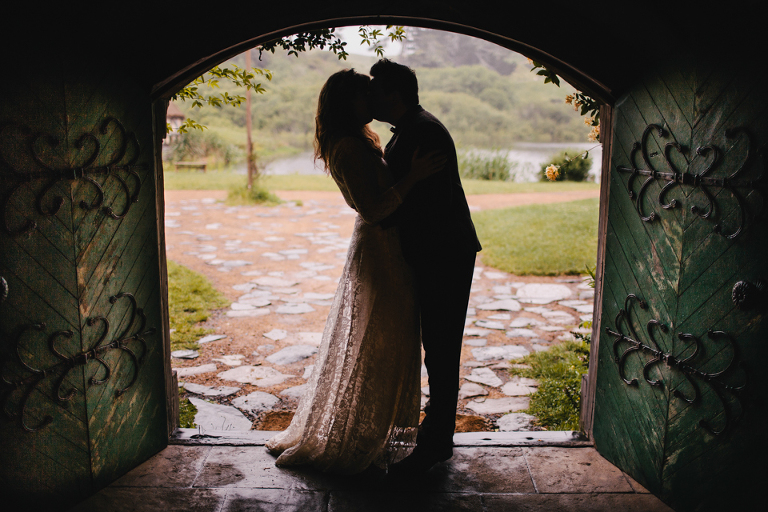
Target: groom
{"x": 439, "y": 242}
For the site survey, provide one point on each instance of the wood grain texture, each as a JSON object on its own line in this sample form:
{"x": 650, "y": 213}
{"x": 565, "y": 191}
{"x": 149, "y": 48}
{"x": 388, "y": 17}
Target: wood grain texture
{"x": 685, "y": 270}
{"x": 68, "y": 274}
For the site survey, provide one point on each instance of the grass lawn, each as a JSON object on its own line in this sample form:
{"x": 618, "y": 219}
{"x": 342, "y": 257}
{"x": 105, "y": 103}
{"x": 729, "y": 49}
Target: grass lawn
{"x": 225, "y": 180}
{"x": 477, "y": 187}
{"x": 546, "y": 239}
{"x": 191, "y": 297}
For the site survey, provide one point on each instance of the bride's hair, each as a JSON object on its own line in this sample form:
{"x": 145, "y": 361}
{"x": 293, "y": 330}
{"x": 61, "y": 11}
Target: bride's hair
{"x": 336, "y": 117}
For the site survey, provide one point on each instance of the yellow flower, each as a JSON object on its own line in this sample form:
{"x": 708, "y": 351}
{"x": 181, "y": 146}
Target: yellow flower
{"x": 569, "y": 99}
{"x": 588, "y": 121}
{"x": 552, "y": 172}
{"x": 594, "y": 135}
{"x": 576, "y": 105}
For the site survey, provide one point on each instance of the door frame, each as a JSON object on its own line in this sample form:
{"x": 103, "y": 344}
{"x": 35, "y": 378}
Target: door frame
{"x": 161, "y": 97}
{"x": 589, "y": 380}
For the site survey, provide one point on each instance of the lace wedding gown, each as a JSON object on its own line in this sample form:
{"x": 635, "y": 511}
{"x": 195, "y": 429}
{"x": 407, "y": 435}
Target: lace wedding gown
{"x": 361, "y": 406}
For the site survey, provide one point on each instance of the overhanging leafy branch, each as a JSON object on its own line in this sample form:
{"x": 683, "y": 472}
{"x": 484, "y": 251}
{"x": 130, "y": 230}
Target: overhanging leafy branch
{"x": 582, "y": 103}
{"x": 198, "y": 91}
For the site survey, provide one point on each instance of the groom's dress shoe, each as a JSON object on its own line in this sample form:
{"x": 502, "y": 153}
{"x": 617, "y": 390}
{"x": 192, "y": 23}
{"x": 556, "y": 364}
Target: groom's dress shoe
{"x": 418, "y": 462}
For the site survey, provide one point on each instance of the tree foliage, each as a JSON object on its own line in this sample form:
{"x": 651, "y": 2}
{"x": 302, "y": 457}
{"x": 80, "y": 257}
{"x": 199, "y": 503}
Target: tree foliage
{"x": 205, "y": 91}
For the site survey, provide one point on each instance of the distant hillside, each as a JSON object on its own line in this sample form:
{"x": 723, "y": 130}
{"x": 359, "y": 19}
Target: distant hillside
{"x": 484, "y": 94}
{"x": 426, "y": 48}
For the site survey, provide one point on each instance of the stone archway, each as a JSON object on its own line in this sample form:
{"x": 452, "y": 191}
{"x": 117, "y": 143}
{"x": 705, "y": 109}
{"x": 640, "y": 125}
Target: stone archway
{"x": 64, "y": 254}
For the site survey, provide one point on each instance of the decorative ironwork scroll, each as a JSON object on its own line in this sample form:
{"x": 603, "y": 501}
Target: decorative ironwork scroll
{"x": 121, "y": 166}
{"x": 704, "y": 180}
{"x": 33, "y": 376}
{"x": 684, "y": 363}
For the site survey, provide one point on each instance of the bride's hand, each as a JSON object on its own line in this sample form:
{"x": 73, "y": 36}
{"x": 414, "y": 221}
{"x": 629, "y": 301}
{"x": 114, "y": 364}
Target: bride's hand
{"x": 427, "y": 165}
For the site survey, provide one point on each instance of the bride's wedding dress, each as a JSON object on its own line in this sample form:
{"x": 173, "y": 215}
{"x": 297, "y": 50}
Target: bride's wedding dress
{"x": 362, "y": 401}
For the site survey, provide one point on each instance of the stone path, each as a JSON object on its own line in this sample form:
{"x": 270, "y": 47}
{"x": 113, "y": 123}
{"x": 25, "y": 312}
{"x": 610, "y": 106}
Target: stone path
{"x": 280, "y": 266}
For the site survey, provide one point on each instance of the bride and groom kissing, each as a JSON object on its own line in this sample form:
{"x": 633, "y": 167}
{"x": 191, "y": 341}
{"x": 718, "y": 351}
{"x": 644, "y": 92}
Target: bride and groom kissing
{"x": 405, "y": 285}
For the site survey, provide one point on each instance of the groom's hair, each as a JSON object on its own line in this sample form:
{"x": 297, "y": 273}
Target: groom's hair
{"x": 395, "y": 77}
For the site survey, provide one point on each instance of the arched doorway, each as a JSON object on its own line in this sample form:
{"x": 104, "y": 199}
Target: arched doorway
{"x": 66, "y": 279}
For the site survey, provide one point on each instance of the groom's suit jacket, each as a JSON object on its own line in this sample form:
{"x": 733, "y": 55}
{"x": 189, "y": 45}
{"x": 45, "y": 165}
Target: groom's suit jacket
{"x": 434, "y": 218}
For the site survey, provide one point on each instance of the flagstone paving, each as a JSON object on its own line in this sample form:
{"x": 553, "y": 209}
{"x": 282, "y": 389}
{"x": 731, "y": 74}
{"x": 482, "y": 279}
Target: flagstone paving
{"x": 279, "y": 266}
{"x": 489, "y": 472}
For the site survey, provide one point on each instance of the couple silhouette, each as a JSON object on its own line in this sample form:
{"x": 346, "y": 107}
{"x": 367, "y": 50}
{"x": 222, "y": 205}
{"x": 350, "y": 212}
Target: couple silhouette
{"x": 405, "y": 285}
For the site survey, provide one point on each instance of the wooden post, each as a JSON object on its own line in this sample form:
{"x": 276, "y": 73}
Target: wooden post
{"x": 249, "y": 146}
{"x": 159, "y": 109}
{"x": 589, "y": 384}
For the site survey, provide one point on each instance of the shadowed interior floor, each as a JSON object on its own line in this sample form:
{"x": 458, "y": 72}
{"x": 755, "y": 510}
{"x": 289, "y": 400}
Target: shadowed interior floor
{"x": 489, "y": 472}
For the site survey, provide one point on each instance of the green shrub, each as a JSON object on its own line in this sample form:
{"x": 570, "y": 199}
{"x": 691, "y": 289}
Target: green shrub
{"x": 573, "y": 166}
{"x": 557, "y": 402}
{"x": 494, "y": 167}
{"x": 242, "y": 195}
{"x": 206, "y": 145}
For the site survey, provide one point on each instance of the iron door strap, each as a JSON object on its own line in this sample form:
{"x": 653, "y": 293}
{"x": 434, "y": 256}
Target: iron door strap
{"x": 731, "y": 180}
{"x": 687, "y": 363}
{"x": 120, "y": 165}
{"x": 32, "y": 376}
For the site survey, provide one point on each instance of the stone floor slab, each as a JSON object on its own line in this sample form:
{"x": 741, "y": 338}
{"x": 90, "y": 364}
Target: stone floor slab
{"x": 256, "y": 402}
{"x": 575, "y": 503}
{"x": 200, "y": 389}
{"x": 135, "y": 499}
{"x": 505, "y": 353}
{"x": 274, "y": 500}
{"x": 515, "y": 422}
{"x": 211, "y": 416}
{"x": 195, "y": 370}
{"x": 253, "y": 467}
{"x": 404, "y": 502}
{"x": 479, "y": 470}
{"x": 563, "y": 470}
{"x": 484, "y": 376}
{"x": 175, "y": 466}
{"x": 501, "y": 305}
{"x": 542, "y": 293}
{"x": 498, "y": 405}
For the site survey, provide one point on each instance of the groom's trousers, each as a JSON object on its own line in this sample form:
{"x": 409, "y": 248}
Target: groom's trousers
{"x": 443, "y": 284}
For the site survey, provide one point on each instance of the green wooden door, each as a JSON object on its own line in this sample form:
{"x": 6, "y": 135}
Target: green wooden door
{"x": 83, "y": 392}
{"x": 679, "y": 401}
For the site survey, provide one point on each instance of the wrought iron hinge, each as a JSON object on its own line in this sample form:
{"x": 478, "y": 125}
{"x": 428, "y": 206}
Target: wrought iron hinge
{"x": 735, "y": 183}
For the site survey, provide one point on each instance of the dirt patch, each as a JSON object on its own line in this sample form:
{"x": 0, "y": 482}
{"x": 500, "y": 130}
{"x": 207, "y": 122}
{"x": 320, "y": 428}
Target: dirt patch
{"x": 275, "y": 421}
{"x": 472, "y": 423}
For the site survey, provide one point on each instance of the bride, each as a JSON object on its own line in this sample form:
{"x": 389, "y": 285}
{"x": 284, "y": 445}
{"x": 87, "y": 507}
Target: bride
{"x": 362, "y": 401}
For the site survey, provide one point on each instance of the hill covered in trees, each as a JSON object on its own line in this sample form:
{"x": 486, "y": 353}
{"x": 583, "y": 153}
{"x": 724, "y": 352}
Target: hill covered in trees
{"x": 484, "y": 94}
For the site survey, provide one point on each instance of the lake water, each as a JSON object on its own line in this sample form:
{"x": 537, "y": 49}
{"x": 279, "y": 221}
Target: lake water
{"x": 528, "y": 157}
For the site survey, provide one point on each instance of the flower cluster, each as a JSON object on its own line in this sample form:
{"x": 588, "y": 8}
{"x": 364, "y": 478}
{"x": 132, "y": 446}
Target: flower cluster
{"x": 587, "y": 105}
{"x": 580, "y": 101}
{"x": 594, "y": 135}
{"x": 553, "y": 172}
